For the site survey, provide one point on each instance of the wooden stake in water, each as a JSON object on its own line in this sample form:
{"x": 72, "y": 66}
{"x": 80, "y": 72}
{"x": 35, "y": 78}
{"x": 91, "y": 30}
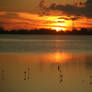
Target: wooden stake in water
{"x": 24, "y": 75}
{"x": 28, "y": 73}
{"x": 2, "y": 75}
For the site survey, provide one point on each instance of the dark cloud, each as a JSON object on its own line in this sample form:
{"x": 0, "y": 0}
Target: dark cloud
{"x": 72, "y": 9}
{"x": 68, "y": 9}
{"x": 88, "y": 9}
{"x": 71, "y": 18}
{"x": 43, "y": 7}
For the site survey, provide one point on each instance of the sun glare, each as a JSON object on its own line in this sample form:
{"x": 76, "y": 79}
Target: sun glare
{"x": 60, "y": 57}
{"x": 58, "y": 29}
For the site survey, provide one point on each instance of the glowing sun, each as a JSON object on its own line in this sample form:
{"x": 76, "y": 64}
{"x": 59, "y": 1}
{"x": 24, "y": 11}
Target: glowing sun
{"x": 58, "y": 29}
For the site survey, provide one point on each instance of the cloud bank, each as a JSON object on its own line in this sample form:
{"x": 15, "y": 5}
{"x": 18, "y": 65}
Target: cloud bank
{"x": 70, "y": 9}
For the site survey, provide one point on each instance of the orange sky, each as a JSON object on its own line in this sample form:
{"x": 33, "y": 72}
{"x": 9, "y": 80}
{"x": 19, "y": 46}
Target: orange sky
{"x": 12, "y": 17}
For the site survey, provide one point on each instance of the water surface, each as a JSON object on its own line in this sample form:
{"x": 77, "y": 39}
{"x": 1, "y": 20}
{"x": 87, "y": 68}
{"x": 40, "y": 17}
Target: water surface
{"x": 45, "y": 63}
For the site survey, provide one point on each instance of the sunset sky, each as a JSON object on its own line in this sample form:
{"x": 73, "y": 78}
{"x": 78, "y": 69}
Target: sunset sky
{"x": 54, "y": 14}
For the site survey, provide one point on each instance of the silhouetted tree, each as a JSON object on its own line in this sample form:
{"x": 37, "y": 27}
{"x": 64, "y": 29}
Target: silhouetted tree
{"x": 83, "y": 31}
{"x": 1, "y": 30}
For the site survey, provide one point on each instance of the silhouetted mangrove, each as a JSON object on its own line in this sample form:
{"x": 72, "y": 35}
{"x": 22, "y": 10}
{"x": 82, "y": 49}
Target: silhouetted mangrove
{"x": 82, "y": 31}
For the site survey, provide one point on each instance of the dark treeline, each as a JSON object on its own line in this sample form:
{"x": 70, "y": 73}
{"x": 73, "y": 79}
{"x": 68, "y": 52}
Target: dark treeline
{"x": 82, "y": 31}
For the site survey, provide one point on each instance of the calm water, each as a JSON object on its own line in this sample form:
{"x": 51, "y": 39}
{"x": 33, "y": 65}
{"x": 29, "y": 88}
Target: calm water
{"x": 45, "y": 63}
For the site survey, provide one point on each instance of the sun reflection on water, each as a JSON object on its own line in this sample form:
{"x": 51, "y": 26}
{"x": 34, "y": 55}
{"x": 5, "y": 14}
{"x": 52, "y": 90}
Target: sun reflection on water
{"x": 61, "y": 57}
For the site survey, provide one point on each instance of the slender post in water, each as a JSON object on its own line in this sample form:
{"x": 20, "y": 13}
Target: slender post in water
{"x": 28, "y": 73}
{"x": 2, "y": 75}
{"x": 24, "y": 75}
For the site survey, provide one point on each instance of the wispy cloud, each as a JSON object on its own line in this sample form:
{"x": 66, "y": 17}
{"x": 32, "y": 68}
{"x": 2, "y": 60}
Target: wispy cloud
{"x": 34, "y": 20}
{"x": 52, "y": 18}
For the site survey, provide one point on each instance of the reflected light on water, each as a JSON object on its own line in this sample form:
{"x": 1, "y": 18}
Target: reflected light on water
{"x": 61, "y": 57}
{"x": 45, "y": 70}
{"x": 55, "y": 57}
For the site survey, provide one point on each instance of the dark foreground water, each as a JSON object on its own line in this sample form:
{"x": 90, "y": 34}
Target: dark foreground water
{"x": 45, "y": 63}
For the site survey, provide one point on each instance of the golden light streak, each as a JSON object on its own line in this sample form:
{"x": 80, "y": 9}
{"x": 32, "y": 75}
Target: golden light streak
{"x": 32, "y": 21}
{"x": 58, "y": 27}
{"x": 61, "y": 57}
